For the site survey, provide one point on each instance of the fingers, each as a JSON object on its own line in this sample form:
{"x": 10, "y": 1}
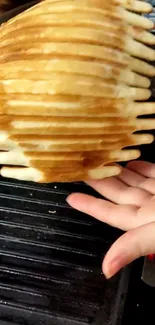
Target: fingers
{"x": 125, "y": 217}
{"x": 120, "y": 216}
{"x": 115, "y": 190}
{"x": 131, "y": 186}
{"x": 137, "y": 175}
{"x": 130, "y": 177}
{"x": 135, "y": 243}
{"x": 148, "y": 185}
{"x": 143, "y": 168}
{"x": 133, "y": 179}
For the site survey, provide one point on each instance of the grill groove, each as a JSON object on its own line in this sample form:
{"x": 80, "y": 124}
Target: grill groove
{"x": 50, "y": 258}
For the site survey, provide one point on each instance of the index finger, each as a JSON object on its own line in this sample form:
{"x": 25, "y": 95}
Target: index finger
{"x": 119, "y": 216}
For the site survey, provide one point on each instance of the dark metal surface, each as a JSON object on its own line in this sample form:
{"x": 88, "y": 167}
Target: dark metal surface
{"x": 50, "y": 260}
{"x": 8, "y": 15}
{"x": 148, "y": 273}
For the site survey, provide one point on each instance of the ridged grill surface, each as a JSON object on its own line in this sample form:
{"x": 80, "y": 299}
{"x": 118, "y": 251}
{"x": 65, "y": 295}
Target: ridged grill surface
{"x": 50, "y": 259}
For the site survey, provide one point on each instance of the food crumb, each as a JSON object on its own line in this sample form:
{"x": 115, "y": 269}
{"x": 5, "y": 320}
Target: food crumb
{"x": 53, "y": 212}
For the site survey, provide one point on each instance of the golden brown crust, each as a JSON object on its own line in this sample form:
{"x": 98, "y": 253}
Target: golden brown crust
{"x": 69, "y": 82}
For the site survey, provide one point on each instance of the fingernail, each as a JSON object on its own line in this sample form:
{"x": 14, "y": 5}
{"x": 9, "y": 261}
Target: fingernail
{"x": 112, "y": 267}
{"x": 68, "y": 199}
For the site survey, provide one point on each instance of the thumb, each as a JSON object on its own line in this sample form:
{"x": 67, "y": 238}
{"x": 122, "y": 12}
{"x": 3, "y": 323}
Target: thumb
{"x": 133, "y": 244}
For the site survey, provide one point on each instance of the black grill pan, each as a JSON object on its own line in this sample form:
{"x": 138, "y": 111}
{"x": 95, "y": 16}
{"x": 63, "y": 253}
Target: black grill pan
{"x": 50, "y": 259}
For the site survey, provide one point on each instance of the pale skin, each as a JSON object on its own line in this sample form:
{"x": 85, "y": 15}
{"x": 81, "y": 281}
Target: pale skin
{"x": 131, "y": 208}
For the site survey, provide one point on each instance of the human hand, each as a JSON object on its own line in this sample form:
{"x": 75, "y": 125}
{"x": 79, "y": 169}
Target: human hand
{"x": 132, "y": 208}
